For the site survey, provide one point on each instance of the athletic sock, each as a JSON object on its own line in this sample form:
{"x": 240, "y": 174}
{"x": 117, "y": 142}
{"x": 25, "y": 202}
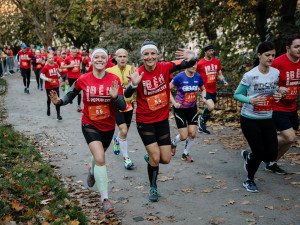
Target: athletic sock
{"x": 67, "y": 88}
{"x": 93, "y": 165}
{"x": 176, "y": 140}
{"x": 123, "y": 147}
{"x": 100, "y": 175}
{"x": 118, "y": 137}
{"x": 152, "y": 173}
{"x": 188, "y": 144}
{"x": 205, "y": 115}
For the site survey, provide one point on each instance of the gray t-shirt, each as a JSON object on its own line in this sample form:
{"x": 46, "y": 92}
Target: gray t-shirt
{"x": 259, "y": 85}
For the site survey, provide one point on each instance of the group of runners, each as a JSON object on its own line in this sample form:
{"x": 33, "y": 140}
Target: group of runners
{"x": 108, "y": 100}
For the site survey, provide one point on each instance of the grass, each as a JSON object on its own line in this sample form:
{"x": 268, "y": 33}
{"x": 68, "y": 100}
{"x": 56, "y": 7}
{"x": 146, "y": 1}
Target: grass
{"x": 30, "y": 192}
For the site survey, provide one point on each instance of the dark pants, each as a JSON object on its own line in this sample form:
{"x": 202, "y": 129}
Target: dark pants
{"x": 39, "y": 81}
{"x": 71, "y": 82}
{"x": 26, "y": 77}
{"x": 49, "y": 100}
{"x": 262, "y": 139}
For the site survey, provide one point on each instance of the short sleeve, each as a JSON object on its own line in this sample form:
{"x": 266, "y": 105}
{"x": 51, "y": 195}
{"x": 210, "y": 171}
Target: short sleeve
{"x": 44, "y": 70}
{"x": 176, "y": 80}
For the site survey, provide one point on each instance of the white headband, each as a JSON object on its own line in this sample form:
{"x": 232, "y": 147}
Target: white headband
{"x": 147, "y": 47}
{"x": 99, "y": 50}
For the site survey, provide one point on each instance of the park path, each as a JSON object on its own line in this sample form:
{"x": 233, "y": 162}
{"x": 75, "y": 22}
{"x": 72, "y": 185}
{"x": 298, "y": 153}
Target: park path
{"x": 208, "y": 191}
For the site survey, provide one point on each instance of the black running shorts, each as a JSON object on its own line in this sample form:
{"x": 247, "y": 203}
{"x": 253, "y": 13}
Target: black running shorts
{"x": 91, "y": 133}
{"x": 186, "y": 116}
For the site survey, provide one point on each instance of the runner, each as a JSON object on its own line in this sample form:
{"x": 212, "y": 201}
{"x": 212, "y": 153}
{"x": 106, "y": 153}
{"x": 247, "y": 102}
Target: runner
{"x": 64, "y": 83}
{"x": 73, "y": 64}
{"x": 185, "y": 108}
{"x": 37, "y": 61}
{"x": 209, "y": 68}
{"x": 256, "y": 116}
{"x": 123, "y": 119}
{"x": 101, "y": 97}
{"x": 153, "y": 94}
{"x": 25, "y": 60}
{"x": 285, "y": 111}
{"x": 50, "y": 74}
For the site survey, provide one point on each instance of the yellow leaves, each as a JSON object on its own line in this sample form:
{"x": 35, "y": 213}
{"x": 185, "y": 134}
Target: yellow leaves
{"x": 165, "y": 178}
{"x": 246, "y": 203}
{"x": 187, "y": 190}
{"x": 17, "y": 205}
{"x": 74, "y": 222}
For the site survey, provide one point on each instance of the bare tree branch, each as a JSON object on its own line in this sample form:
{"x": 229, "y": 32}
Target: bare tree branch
{"x": 66, "y": 14}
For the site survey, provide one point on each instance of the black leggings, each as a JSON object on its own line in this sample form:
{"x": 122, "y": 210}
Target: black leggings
{"x": 262, "y": 139}
{"x": 26, "y": 77}
{"x": 39, "y": 81}
{"x": 71, "y": 82}
{"x": 49, "y": 100}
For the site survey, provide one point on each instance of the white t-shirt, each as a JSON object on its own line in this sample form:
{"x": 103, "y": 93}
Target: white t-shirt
{"x": 259, "y": 85}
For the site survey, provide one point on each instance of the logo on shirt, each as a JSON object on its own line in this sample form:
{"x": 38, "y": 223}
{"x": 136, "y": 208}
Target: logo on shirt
{"x": 190, "y": 88}
{"x": 212, "y": 69}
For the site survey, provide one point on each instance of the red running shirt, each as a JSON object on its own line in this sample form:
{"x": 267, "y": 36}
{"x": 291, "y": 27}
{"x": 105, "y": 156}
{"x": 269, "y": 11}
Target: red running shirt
{"x": 209, "y": 71}
{"x": 39, "y": 62}
{"x": 74, "y": 72}
{"x": 25, "y": 59}
{"x": 289, "y": 77}
{"x": 153, "y": 94}
{"x": 98, "y": 108}
{"x": 52, "y": 73}
{"x": 61, "y": 71}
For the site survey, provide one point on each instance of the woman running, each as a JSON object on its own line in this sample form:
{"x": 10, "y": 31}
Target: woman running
{"x": 185, "y": 108}
{"x": 102, "y": 95}
{"x": 37, "y": 61}
{"x": 153, "y": 95}
{"x": 256, "y": 117}
{"x": 50, "y": 74}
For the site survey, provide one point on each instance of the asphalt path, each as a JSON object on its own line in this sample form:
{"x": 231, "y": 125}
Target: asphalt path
{"x": 207, "y": 191}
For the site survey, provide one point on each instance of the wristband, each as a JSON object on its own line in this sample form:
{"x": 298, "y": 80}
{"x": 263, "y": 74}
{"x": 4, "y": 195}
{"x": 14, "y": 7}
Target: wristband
{"x": 223, "y": 80}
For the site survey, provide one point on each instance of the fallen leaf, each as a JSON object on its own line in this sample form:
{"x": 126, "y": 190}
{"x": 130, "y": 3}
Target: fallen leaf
{"x": 188, "y": 190}
{"x": 297, "y": 206}
{"x": 269, "y": 207}
{"x": 283, "y": 208}
{"x": 217, "y": 220}
{"x": 231, "y": 202}
{"x": 295, "y": 183}
{"x": 74, "y": 222}
{"x": 152, "y": 218}
{"x": 125, "y": 201}
{"x": 208, "y": 177}
{"x": 246, "y": 203}
{"x": 246, "y": 213}
{"x": 165, "y": 178}
{"x": 45, "y": 188}
{"x": 287, "y": 178}
{"x": 207, "y": 191}
{"x": 17, "y": 205}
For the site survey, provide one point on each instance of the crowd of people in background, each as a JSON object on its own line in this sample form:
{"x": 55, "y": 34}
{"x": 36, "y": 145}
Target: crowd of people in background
{"x": 106, "y": 85}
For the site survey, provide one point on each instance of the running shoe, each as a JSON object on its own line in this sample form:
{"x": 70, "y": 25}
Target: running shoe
{"x": 245, "y": 154}
{"x": 42, "y": 89}
{"x": 173, "y": 148}
{"x": 127, "y": 163}
{"x": 25, "y": 90}
{"x": 79, "y": 109}
{"x": 250, "y": 186}
{"x": 202, "y": 127}
{"x": 90, "y": 178}
{"x": 146, "y": 157}
{"x": 116, "y": 148}
{"x": 59, "y": 118}
{"x": 153, "y": 194}
{"x": 63, "y": 88}
{"x": 186, "y": 157}
{"x": 107, "y": 207}
{"x": 275, "y": 169}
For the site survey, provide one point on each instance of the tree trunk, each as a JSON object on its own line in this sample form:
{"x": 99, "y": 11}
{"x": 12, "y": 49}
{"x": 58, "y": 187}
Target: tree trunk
{"x": 261, "y": 19}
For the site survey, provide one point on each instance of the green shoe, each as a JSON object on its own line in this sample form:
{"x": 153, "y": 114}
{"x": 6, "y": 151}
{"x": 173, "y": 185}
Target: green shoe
{"x": 153, "y": 194}
{"x": 127, "y": 163}
{"x": 146, "y": 157}
{"x": 116, "y": 148}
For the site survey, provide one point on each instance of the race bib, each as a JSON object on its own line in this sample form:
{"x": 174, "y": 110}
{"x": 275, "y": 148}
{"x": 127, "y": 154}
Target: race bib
{"x": 267, "y": 105}
{"x": 190, "y": 97}
{"x": 24, "y": 63}
{"x": 99, "y": 112}
{"x": 128, "y": 107}
{"x": 65, "y": 70}
{"x": 53, "y": 82}
{"x": 75, "y": 69}
{"x": 293, "y": 93}
{"x": 157, "y": 101}
{"x": 38, "y": 66}
{"x": 211, "y": 78}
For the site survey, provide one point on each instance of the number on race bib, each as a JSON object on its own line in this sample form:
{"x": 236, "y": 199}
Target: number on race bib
{"x": 211, "y": 78}
{"x": 99, "y": 112}
{"x": 128, "y": 107}
{"x": 267, "y": 106}
{"x": 157, "y": 101}
{"x": 190, "y": 97}
{"x": 293, "y": 93}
